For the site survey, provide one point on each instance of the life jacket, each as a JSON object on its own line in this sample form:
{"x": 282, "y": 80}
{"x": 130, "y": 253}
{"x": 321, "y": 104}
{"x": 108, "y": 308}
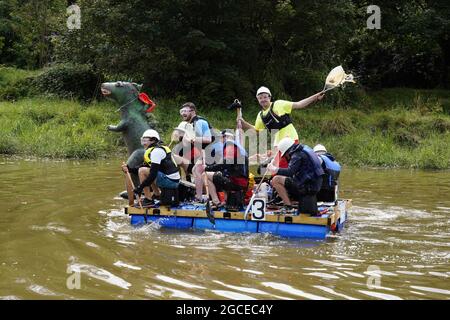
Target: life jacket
{"x": 168, "y": 165}
{"x": 194, "y": 120}
{"x": 310, "y": 170}
{"x": 236, "y": 169}
{"x": 332, "y": 170}
{"x": 274, "y": 121}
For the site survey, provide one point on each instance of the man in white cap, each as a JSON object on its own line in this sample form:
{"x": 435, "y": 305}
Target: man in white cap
{"x": 302, "y": 178}
{"x": 276, "y": 115}
{"x": 332, "y": 168}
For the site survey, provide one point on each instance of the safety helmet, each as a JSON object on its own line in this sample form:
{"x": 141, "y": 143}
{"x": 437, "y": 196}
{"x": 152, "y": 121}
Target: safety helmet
{"x": 227, "y": 132}
{"x": 150, "y": 133}
{"x": 263, "y": 90}
{"x": 285, "y": 144}
{"x": 319, "y": 148}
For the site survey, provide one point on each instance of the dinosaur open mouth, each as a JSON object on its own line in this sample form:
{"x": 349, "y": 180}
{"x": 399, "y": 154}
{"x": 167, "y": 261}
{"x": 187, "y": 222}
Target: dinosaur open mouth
{"x": 105, "y": 91}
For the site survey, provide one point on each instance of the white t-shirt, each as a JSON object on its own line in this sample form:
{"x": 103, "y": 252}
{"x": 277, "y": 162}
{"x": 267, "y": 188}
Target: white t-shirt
{"x": 157, "y": 155}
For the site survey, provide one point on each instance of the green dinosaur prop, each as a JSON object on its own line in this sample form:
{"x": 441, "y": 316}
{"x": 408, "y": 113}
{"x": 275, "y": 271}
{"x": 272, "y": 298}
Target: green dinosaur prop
{"x": 133, "y": 107}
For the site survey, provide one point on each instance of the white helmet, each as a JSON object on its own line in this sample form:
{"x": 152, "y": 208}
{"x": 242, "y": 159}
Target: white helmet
{"x": 150, "y": 133}
{"x": 285, "y": 144}
{"x": 320, "y": 148}
{"x": 263, "y": 90}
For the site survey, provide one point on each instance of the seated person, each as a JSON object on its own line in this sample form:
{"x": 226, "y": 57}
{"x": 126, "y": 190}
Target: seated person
{"x": 332, "y": 168}
{"x": 183, "y": 152}
{"x": 160, "y": 171}
{"x": 302, "y": 178}
{"x": 230, "y": 174}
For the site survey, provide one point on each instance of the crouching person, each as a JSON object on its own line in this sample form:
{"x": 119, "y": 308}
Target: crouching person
{"x": 229, "y": 175}
{"x": 332, "y": 169}
{"x": 160, "y": 171}
{"x": 302, "y": 179}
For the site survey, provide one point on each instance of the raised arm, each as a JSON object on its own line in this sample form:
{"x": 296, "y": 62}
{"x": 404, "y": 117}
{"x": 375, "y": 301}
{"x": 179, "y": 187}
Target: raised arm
{"x": 306, "y": 102}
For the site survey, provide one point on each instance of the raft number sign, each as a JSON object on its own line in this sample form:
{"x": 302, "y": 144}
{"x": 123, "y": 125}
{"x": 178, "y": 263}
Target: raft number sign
{"x": 259, "y": 209}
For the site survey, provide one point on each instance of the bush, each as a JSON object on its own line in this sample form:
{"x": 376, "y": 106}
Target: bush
{"x": 405, "y": 138}
{"x": 68, "y": 80}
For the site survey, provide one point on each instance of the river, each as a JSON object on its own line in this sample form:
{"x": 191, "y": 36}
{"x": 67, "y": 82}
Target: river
{"x": 63, "y": 235}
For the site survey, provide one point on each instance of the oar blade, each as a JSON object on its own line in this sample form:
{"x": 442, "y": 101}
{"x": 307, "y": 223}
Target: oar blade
{"x": 209, "y": 213}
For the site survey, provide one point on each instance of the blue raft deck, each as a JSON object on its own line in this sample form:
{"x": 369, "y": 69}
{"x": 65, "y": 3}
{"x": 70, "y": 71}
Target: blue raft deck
{"x": 187, "y": 216}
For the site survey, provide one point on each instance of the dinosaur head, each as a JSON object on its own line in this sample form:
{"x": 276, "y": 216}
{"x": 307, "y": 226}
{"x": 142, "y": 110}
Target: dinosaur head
{"x": 124, "y": 93}
{"x": 120, "y": 91}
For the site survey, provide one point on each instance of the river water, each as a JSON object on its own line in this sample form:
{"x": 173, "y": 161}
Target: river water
{"x": 63, "y": 235}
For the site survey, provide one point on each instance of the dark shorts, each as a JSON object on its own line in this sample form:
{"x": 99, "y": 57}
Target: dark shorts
{"x": 295, "y": 191}
{"x": 224, "y": 184}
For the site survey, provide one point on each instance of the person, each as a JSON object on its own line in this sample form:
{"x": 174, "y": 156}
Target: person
{"x": 199, "y": 142}
{"x": 332, "y": 169}
{"x": 302, "y": 178}
{"x": 230, "y": 175}
{"x": 182, "y": 135}
{"x": 276, "y": 116}
{"x": 159, "y": 169}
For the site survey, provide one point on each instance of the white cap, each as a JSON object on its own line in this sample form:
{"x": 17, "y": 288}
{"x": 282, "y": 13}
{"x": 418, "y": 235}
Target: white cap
{"x": 319, "y": 148}
{"x": 187, "y": 129}
{"x": 182, "y": 126}
{"x": 285, "y": 144}
{"x": 263, "y": 90}
{"x": 150, "y": 133}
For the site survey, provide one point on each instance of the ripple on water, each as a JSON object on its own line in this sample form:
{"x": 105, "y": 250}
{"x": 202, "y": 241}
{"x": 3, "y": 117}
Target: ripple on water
{"x": 166, "y": 292}
{"x": 331, "y": 291}
{"x": 380, "y": 295}
{"x": 232, "y": 295}
{"x": 433, "y": 290}
{"x": 178, "y": 282}
{"x": 51, "y": 227}
{"x": 41, "y": 290}
{"x": 242, "y": 289}
{"x": 125, "y": 265}
{"x": 100, "y": 274}
{"x": 291, "y": 290}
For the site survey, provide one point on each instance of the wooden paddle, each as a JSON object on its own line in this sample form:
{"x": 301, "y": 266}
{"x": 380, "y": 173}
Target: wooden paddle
{"x": 209, "y": 213}
{"x": 253, "y": 196}
{"x": 130, "y": 190}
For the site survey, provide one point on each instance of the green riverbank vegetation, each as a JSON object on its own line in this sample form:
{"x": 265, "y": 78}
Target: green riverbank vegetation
{"x": 387, "y": 128}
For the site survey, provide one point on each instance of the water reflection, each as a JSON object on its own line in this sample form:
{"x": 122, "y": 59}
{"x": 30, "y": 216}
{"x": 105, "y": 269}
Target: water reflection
{"x": 63, "y": 218}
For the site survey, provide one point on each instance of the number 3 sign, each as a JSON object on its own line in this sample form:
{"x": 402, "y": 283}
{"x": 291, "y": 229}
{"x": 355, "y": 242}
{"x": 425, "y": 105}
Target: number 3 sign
{"x": 259, "y": 209}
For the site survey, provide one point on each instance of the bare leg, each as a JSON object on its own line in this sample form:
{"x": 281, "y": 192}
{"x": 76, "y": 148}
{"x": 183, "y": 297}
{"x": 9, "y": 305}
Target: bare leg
{"x": 155, "y": 189}
{"x": 182, "y": 162}
{"x": 278, "y": 184}
{"x": 197, "y": 171}
{"x": 143, "y": 174}
{"x": 212, "y": 188}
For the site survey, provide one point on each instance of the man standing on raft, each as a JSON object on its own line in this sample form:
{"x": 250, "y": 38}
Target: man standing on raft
{"x": 276, "y": 116}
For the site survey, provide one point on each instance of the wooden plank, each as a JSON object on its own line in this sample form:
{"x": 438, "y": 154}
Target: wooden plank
{"x": 293, "y": 219}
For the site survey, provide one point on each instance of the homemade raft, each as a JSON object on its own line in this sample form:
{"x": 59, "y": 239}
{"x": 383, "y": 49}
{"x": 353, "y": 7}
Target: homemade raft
{"x": 281, "y": 222}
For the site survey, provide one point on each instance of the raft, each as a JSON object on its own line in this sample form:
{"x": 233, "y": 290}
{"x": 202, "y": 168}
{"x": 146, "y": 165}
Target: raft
{"x": 332, "y": 218}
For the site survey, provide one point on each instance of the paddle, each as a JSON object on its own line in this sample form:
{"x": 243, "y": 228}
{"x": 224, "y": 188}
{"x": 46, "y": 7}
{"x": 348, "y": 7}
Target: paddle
{"x": 254, "y": 194}
{"x": 336, "y": 78}
{"x": 209, "y": 213}
{"x": 131, "y": 192}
